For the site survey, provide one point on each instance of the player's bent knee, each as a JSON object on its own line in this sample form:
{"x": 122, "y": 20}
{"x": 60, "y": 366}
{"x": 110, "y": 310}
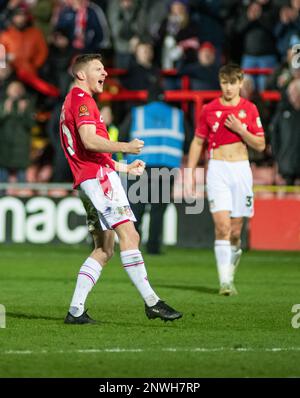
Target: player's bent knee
{"x": 128, "y": 235}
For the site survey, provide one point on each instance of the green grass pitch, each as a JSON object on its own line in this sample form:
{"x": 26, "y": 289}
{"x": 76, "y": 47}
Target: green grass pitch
{"x": 249, "y": 335}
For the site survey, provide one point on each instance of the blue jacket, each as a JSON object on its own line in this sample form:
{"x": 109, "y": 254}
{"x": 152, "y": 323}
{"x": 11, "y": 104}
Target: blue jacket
{"x": 161, "y": 127}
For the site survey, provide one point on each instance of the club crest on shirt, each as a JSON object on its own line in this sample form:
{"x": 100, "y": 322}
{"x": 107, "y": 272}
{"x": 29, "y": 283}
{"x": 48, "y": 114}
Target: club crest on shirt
{"x": 83, "y": 110}
{"x": 219, "y": 114}
{"x": 242, "y": 114}
{"x": 101, "y": 119}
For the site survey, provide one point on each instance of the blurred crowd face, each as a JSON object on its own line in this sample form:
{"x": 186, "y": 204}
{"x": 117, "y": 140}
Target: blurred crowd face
{"x": 126, "y": 4}
{"x": 107, "y": 115}
{"x": 295, "y": 4}
{"x": 60, "y": 41}
{"x": 15, "y": 90}
{"x": 75, "y": 4}
{"x": 144, "y": 54}
{"x": 179, "y": 12}
{"x": 177, "y": 8}
{"x": 14, "y": 3}
{"x": 20, "y": 21}
{"x": 293, "y": 92}
{"x": 248, "y": 88}
{"x": 206, "y": 56}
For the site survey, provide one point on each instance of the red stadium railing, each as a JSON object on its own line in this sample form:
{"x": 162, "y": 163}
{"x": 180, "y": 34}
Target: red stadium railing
{"x": 197, "y": 97}
{"x": 174, "y": 72}
{"x": 185, "y": 80}
{"x": 184, "y": 95}
{"x": 258, "y": 71}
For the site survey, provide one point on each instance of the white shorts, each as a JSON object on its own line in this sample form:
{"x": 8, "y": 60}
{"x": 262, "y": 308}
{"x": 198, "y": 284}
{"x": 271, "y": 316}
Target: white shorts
{"x": 229, "y": 187}
{"x": 112, "y": 207}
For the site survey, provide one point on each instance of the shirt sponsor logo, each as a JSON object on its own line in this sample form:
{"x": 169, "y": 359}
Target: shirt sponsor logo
{"x": 83, "y": 110}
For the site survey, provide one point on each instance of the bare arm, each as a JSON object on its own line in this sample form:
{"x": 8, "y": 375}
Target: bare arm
{"x": 195, "y": 152}
{"x": 193, "y": 159}
{"x": 94, "y": 143}
{"x": 137, "y": 167}
{"x": 255, "y": 142}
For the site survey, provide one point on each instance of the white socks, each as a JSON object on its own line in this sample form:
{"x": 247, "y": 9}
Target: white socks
{"x": 223, "y": 257}
{"x": 88, "y": 275}
{"x": 133, "y": 264}
{"x": 90, "y": 271}
{"x": 235, "y": 253}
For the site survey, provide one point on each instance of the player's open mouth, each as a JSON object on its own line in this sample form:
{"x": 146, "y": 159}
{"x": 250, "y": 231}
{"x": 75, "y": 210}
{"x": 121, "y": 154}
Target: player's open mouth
{"x": 101, "y": 82}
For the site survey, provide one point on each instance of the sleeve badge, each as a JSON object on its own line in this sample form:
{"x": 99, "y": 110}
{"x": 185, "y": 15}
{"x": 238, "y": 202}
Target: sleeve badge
{"x": 83, "y": 110}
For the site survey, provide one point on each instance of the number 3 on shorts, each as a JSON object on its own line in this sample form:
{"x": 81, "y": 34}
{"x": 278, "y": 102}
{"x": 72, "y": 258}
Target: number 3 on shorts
{"x": 249, "y": 201}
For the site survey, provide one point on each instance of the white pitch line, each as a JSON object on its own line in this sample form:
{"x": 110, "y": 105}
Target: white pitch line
{"x": 140, "y": 350}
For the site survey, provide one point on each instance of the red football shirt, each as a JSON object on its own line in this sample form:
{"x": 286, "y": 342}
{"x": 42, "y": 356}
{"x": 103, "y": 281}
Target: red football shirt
{"x": 210, "y": 125}
{"x": 78, "y": 109}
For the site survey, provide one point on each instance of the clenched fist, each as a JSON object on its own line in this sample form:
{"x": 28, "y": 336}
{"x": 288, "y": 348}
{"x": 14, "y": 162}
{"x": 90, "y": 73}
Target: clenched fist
{"x": 135, "y": 146}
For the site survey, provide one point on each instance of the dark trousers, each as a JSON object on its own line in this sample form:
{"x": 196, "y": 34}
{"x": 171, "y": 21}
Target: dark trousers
{"x": 159, "y": 190}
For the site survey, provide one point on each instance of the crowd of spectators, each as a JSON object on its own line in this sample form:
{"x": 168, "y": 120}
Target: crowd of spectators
{"x": 40, "y": 38}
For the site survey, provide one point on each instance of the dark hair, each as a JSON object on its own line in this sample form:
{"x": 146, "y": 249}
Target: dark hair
{"x": 84, "y": 59}
{"x": 233, "y": 72}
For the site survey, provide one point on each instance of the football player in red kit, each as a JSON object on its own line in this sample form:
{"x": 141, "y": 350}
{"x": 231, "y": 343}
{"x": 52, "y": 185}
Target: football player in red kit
{"x": 89, "y": 151}
{"x": 229, "y": 124}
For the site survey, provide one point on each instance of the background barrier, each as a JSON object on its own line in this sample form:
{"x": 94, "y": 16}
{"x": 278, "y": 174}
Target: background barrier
{"x": 40, "y": 218}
